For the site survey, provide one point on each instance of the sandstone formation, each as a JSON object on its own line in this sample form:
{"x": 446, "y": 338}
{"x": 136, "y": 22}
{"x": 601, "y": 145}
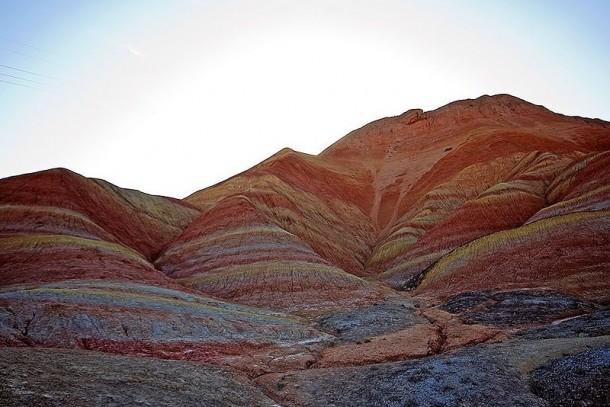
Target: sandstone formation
{"x": 453, "y": 257}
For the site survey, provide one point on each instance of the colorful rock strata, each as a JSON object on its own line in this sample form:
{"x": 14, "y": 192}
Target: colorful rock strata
{"x": 459, "y": 256}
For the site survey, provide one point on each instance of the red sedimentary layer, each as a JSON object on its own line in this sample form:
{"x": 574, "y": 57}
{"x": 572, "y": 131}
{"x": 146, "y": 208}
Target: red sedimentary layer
{"x": 479, "y": 195}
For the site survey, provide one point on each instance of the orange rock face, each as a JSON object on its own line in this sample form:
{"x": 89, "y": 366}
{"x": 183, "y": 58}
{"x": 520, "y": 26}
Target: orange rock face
{"x": 415, "y": 235}
{"x": 390, "y": 200}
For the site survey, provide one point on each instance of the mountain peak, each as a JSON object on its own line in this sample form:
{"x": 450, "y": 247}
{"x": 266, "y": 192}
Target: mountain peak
{"x": 493, "y": 104}
{"x": 380, "y": 137}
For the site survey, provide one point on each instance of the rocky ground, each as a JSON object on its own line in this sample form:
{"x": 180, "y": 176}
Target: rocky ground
{"x": 562, "y": 361}
{"x": 53, "y": 377}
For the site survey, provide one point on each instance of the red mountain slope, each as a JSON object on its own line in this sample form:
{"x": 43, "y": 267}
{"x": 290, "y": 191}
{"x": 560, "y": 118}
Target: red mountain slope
{"x": 394, "y": 197}
{"x": 318, "y": 277}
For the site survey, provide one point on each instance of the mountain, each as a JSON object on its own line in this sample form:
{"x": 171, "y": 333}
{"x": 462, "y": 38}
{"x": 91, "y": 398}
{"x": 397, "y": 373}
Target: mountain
{"x": 459, "y": 256}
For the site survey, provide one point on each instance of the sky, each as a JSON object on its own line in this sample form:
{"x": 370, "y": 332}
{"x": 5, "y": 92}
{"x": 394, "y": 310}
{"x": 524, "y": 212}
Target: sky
{"x": 169, "y": 97}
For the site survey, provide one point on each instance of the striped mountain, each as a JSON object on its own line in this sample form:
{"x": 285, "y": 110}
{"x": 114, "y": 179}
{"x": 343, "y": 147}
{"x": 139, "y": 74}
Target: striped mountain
{"x": 483, "y": 221}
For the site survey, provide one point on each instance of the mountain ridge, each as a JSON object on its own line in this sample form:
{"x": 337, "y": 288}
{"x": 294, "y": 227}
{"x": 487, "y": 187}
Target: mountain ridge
{"x": 375, "y": 199}
{"x": 428, "y": 247}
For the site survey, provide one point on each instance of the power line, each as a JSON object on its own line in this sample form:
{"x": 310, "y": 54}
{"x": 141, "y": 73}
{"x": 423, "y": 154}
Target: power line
{"x": 26, "y": 71}
{"x": 22, "y": 79}
{"x": 19, "y": 84}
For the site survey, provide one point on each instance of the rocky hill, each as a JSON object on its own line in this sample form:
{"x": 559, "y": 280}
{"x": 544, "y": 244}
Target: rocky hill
{"x": 459, "y": 256}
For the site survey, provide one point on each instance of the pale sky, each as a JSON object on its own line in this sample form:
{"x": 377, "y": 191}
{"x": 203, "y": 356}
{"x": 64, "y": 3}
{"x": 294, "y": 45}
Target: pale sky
{"x": 171, "y": 96}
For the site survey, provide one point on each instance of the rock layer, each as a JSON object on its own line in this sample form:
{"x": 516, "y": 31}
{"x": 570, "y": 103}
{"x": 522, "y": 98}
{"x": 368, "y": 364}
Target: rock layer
{"x": 453, "y": 257}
